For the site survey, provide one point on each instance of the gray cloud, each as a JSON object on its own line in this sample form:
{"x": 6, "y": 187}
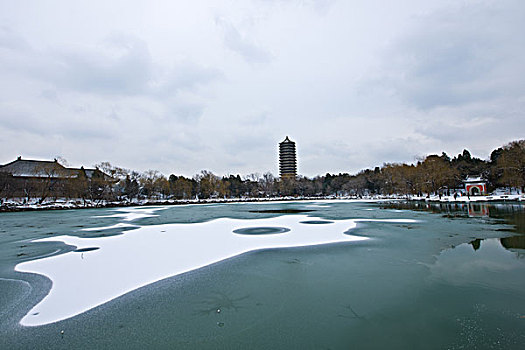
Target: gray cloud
{"x": 185, "y": 76}
{"x": 460, "y": 55}
{"x": 42, "y": 125}
{"x": 127, "y": 72}
{"x": 187, "y": 112}
{"x": 9, "y": 40}
{"x": 121, "y": 65}
{"x": 321, "y": 6}
{"x": 241, "y": 44}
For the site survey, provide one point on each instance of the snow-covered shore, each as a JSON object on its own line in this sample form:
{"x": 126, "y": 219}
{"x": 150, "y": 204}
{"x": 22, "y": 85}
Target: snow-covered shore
{"x": 467, "y": 199}
{"x": 62, "y": 204}
{"x": 20, "y": 205}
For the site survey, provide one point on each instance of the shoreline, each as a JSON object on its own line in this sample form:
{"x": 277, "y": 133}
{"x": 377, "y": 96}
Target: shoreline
{"x": 73, "y": 204}
{"x": 68, "y": 205}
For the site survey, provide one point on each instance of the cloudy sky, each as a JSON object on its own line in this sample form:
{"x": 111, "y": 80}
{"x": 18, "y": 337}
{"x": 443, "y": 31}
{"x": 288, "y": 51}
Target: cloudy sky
{"x": 181, "y": 86}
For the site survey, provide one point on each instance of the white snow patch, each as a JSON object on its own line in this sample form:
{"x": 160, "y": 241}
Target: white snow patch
{"x": 82, "y": 281}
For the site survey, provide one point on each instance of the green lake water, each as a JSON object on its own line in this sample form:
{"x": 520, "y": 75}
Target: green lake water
{"x": 452, "y": 278}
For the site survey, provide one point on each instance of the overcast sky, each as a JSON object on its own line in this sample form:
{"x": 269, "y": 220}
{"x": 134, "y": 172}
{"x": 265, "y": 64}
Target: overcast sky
{"x": 181, "y": 86}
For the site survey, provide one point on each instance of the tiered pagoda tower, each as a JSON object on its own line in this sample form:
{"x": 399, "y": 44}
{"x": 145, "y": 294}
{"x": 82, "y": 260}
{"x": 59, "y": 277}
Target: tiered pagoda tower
{"x": 287, "y": 159}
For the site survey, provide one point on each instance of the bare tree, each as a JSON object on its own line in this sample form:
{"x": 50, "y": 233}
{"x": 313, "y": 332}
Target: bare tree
{"x": 50, "y": 179}
{"x": 268, "y": 184}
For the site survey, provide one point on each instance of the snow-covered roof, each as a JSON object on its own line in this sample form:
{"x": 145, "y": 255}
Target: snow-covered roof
{"x": 474, "y": 178}
{"x": 47, "y": 169}
{"x": 90, "y": 172}
{"x": 37, "y": 168}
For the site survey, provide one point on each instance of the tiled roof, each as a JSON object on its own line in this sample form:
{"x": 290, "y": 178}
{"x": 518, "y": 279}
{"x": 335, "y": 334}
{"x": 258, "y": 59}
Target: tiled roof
{"x": 38, "y": 168}
{"x": 472, "y": 178}
{"x": 42, "y": 168}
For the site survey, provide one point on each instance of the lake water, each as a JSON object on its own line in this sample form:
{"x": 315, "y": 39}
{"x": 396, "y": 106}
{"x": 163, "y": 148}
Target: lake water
{"x": 293, "y": 275}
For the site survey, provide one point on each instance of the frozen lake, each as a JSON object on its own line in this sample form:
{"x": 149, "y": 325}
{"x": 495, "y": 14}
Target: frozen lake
{"x": 274, "y": 275}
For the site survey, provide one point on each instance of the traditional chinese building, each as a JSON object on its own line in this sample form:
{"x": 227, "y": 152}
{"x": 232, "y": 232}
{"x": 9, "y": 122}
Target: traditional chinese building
{"x": 475, "y": 185}
{"x": 287, "y": 159}
{"x": 26, "y": 178}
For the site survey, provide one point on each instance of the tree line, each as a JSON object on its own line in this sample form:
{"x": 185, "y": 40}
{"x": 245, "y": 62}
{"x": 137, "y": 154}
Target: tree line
{"x": 430, "y": 175}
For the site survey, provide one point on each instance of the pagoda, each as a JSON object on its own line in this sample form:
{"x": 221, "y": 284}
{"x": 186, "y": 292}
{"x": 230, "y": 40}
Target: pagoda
{"x": 287, "y": 159}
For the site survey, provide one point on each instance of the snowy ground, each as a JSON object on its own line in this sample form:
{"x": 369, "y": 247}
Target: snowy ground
{"x": 466, "y": 199}
{"x": 21, "y": 204}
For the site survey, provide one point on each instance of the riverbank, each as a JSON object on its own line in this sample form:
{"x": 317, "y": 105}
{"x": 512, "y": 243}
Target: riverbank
{"x": 63, "y": 204}
{"x": 467, "y": 199}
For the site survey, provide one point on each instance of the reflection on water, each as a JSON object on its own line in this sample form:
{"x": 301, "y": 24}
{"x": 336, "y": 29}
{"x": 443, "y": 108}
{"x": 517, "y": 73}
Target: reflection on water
{"x": 476, "y": 243}
{"x": 513, "y": 214}
{"x": 489, "y": 265}
{"x": 515, "y": 244}
{"x": 478, "y": 210}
